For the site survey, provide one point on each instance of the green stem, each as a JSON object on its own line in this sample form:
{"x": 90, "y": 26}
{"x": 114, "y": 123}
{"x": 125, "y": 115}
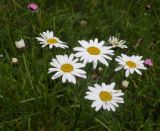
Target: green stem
{"x": 27, "y": 71}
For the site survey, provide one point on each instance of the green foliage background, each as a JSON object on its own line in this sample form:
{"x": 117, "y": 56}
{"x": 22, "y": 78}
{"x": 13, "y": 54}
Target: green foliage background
{"x": 31, "y": 101}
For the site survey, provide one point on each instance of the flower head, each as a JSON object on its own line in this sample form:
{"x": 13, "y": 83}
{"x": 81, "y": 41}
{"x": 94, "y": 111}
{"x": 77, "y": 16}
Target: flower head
{"x": 32, "y": 6}
{"x": 67, "y": 67}
{"x": 48, "y": 38}
{"x": 83, "y": 23}
{"x": 14, "y": 60}
{"x": 115, "y": 42}
{"x": 1, "y": 55}
{"x": 20, "y": 44}
{"x": 125, "y": 83}
{"x": 93, "y": 51}
{"x": 148, "y": 62}
{"x": 130, "y": 64}
{"x": 104, "y": 96}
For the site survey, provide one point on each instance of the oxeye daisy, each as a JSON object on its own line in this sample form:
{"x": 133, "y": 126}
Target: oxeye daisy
{"x": 130, "y": 64}
{"x": 104, "y": 96}
{"x": 93, "y": 51}
{"x": 115, "y": 42}
{"x": 67, "y": 67}
{"x": 48, "y": 38}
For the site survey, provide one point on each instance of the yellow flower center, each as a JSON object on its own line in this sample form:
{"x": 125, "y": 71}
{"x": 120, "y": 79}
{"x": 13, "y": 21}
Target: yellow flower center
{"x": 67, "y": 68}
{"x": 131, "y": 64}
{"x": 52, "y": 41}
{"x": 93, "y": 50}
{"x": 105, "y": 96}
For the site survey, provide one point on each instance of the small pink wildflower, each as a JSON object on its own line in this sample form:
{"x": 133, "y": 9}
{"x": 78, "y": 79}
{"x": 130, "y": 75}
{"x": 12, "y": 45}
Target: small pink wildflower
{"x": 32, "y": 6}
{"x": 148, "y": 62}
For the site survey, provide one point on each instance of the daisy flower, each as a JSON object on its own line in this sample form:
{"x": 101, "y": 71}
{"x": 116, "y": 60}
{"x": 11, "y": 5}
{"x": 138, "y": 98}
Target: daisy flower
{"x": 104, "y": 96}
{"x": 67, "y": 67}
{"x": 115, "y": 42}
{"x": 93, "y": 51}
{"x": 130, "y": 64}
{"x": 48, "y": 38}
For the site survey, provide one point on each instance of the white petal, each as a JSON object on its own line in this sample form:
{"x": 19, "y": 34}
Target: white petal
{"x": 79, "y": 49}
{"x": 71, "y": 78}
{"x": 95, "y": 103}
{"x": 50, "y": 46}
{"x": 112, "y": 85}
{"x": 79, "y": 65}
{"x": 64, "y": 78}
{"x": 80, "y": 71}
{"x": 127, "y": 73}
{"x": 52, "y": 70}
{"x": 138, "y": 71}
{"x": 44, "y": 45}
{"x": 83, "y": 43}
{"x": 94, "y": 64}
{"x": 91, "y": 88}
{"x": 91, "y": 97}
{"x": 98, "y": 106}
{"x": 123, "y": 46}
{"x": 71, "y": 57}
{"x": 56, "y": 75}
{"x": 112, "y": 107}
{"x": 118, "y": 68}
{"x": 55, "y": 63}
{"x": 118, "y": 94}
{"x": 114, "y": 103}
{"x": 79, "y": 75}
{"x": 102, "y": 60}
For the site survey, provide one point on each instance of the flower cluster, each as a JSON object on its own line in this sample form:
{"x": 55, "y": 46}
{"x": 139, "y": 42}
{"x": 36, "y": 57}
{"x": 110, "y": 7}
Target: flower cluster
{"x": 69, "y": 67}
{"x": 92, "y": 51}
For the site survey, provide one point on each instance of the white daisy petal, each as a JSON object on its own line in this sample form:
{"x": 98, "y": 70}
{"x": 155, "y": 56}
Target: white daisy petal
{"x": 112, "y": 107}
{"x": 79, "y": 75}
{"x": 79, "y": 65}
{"x": 55, "y": 76}
{"x": 84, "y": 43}
{"x": 98, "y": 107}
{"x": 138, "y": 71}
{"x": 52, "y": 70}
{"x": 71, "y": 78}
{"x": 95, "y": 103}
{"x": 55, "y": 63}
{"x": 103, "y": 61}
{"x": 118, "y": 68}
{"x": 64, "y": 78}
{"x": 114, "y": 103}
{"x": 94, "y": 64}
{"x": 112, "y": 85}
{"x": 89, "y": 97}
{"x": 108, "y": 107}
{"x": 127, "y": 73}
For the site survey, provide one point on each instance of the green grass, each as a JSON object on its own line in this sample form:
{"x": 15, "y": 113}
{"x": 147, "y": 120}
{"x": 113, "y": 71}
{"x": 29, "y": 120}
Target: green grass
{"x": 31, "y": 101}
